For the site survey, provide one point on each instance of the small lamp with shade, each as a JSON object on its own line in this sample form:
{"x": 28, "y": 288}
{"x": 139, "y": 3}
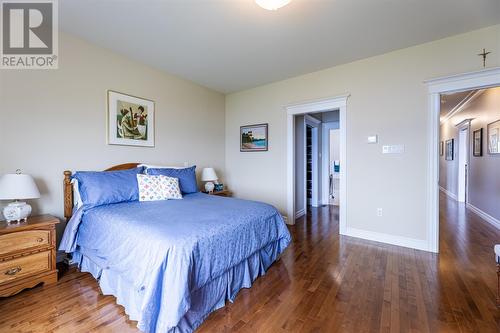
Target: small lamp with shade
{"x": 209, "y": 176}
{"x": 17, "y": 187}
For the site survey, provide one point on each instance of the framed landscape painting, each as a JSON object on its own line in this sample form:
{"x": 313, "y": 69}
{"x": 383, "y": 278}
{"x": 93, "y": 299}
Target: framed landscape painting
{"x": 449, "y": 150}
{"x": 477, "y": 148}
{"x": 494, "y": 137}
{"x": 254, "y": 138}
{"x": 130, "y": 120}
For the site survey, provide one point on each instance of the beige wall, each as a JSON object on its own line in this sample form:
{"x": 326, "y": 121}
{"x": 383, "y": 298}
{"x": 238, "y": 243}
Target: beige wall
{"x": 54, "y": 120}
{"x": 388, "y": 98}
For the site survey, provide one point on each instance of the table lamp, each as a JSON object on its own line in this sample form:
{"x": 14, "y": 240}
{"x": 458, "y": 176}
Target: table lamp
{"x": 17, "y": 187}
{"x": 209, "y": 176}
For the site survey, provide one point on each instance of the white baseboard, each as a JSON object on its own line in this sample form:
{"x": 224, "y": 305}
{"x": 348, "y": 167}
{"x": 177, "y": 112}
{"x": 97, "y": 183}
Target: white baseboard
{"x": 448, "y": 193}
{"x": 411, "y": 243}
{"x": 300, "y": 213}
{"x": 287, "y": 221}
{"x": 485, "y": 216}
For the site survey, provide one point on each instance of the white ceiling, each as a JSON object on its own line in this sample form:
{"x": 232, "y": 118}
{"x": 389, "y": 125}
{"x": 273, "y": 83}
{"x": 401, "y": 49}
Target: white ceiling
{"x": 230, "y": 45}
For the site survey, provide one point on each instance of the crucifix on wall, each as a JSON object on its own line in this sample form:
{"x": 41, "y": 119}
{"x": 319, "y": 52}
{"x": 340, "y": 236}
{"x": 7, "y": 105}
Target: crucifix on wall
{"x": 484, "y": 55}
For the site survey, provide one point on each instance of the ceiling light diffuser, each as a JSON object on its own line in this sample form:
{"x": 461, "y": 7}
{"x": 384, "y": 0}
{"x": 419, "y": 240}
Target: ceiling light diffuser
{"x": 272, "y": 4}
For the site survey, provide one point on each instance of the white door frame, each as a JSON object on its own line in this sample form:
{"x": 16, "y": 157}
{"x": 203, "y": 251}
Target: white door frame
{"x": 463, "y": 159}
{"x": 335, "y": 103}
{"x": 480, "y": 79}
{"x": 325, "y": 156}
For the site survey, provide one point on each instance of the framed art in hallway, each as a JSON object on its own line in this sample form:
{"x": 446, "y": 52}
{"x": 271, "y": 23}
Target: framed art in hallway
{"x": 494, "y": 138}
{"x": 449, "y": 150}
{"x": 130, "y": 120}
{"x": 441, "y": 148}
{"x": 254, "y": 138}
{"x": 477, "y": 149}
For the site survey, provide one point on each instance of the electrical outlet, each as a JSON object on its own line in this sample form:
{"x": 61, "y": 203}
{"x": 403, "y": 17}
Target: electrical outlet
{"x": 379, "y": 212}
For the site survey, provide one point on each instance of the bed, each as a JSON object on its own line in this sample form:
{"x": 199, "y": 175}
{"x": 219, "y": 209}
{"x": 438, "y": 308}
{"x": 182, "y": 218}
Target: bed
{"x": 171, "y": 263}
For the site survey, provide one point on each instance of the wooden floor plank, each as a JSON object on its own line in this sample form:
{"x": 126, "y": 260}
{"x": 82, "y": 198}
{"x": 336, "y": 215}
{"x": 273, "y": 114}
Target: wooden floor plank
{"x": 323, "y": 283}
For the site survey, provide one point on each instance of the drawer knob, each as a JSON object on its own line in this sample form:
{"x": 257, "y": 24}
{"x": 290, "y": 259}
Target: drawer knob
{"x": 39, "y": 239}
{"x": 13, "y": 271}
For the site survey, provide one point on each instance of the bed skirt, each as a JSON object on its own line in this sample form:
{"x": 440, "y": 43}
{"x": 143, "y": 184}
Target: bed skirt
{"x": 208, "y": 298}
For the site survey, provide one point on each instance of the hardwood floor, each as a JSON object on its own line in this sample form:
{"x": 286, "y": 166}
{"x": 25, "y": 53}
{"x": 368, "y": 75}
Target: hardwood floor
{"x": 324, "y": 283}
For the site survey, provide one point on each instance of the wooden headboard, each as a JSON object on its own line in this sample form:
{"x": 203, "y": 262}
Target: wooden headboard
{"x": 68, "y": 187}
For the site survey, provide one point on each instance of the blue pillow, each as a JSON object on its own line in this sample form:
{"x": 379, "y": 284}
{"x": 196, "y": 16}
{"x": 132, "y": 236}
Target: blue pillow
{"x": 186, "y": 176}
{"x": 106, "y": 187}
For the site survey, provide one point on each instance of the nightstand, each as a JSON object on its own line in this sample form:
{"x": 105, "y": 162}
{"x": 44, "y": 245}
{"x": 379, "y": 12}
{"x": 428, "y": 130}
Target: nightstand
{"x": 223, "y": 193}
{"x": 27, "y": 254}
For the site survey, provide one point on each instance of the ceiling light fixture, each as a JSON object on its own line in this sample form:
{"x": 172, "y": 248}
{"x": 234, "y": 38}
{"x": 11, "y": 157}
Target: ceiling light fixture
{"x": 272, "y": 4}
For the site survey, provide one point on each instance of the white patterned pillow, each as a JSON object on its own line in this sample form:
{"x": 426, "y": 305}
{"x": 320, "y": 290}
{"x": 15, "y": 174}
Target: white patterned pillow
{"x": 153, "y": 188}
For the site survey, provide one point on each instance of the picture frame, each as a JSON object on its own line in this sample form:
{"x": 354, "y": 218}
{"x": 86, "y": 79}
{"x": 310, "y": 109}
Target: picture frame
{"x": 494, "y": 137}
{"x": 441, "y": 148}
{"x": 130, "y": 120}
{"x": 449, "y": 149}
{"x": 254, "y": 138}
{"x": 477, "y": 143}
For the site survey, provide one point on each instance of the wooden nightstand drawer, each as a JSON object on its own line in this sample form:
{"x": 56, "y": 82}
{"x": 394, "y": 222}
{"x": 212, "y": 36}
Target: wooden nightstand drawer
{"x": 24, "y": 266}
{"x": 27, "y": 254}
{"x": 23, "y": 240}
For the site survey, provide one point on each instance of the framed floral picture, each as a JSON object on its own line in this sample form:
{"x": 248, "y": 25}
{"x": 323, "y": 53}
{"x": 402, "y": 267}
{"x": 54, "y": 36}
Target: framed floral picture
{"x": 254, "y": 138}
{"x": 494, "y": 138}
{"x": 449, "y": 150}
{"x": 131, "y": 120}
{"x": 477, "y": 144}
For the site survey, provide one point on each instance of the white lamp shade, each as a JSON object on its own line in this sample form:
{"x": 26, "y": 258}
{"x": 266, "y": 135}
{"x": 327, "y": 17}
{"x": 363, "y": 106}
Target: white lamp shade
{"x": 18, "y": 186}
{"x": 208, "y": 175}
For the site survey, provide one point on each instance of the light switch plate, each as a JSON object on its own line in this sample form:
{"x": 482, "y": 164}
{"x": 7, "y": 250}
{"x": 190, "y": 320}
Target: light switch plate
{"x": 393, "y": 149}
{"x": 373, "y": 139}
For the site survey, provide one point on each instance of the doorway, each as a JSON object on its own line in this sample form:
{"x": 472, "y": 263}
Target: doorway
{"x": 331, "y": 162}
{"x": 334, "y": 167}
{"x": 439, "y": 149}
{"x": 307, "y": 108}
{"x": 463, "y": 161}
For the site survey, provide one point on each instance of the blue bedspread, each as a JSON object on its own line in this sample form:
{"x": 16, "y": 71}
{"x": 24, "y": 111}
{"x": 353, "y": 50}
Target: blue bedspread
{"x": 167, "y": 250}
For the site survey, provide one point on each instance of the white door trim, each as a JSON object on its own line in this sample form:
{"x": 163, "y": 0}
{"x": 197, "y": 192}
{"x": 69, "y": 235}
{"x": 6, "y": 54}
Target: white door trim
{"x": 480, "y": 79}
{"x": 463, "y": 159}
{"x": 328, "y": 104}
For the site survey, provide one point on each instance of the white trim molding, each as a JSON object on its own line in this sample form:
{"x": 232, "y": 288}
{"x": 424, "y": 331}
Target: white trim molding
{"x": 448, "y": 193}
{"x": 418, "y": 244}
{"x": 485, "y": 216}
{"x": 435, "y": 87}
{"x": 321, "y": 105}
{"x": 481, "y": 79}
{"x": 300, "y": 213}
